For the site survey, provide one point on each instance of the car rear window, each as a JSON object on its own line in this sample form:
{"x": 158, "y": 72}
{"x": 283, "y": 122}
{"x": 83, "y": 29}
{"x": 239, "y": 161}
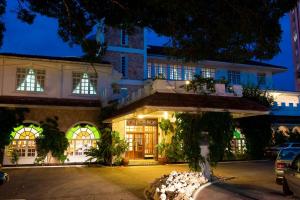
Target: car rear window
{"x": 288, "y": 154}
{"x": 296, "y": 145}
{"x": 284, "y": 145}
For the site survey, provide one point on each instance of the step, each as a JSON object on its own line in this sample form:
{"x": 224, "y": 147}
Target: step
{"x": 144, "y": 162}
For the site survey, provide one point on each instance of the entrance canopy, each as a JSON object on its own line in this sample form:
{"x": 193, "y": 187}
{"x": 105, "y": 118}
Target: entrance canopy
{"x": 193, "y": 103}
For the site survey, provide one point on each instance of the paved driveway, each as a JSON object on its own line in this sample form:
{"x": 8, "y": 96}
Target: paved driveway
{"x": 103, "y": 183}
{"x": 250, "y": 180}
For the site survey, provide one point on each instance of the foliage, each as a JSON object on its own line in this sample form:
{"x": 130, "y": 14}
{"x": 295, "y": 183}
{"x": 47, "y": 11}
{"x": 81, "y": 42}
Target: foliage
{"x": 201, "y": 85}
{"x": 166, "y": 126}
{"x": 109, "y": 148}
{"x": 119, "y": 147}
{"x": 200, "y": 29}
{"x": 173, "y": 151}
{"x": 106, "y": 112}
{"x": 9, "y": 119}
{"x": 279, "y": 137}
{"x": 256, "y": 94}
{"x": 220, "y": 128}
{"x": 51, "y": 141}
{"x": 188, "y": 127}
{"x": 14, "y": 155}
{"x": 258, "y": 133}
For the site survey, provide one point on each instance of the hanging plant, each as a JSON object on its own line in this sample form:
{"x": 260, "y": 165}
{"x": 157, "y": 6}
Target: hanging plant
{"x": 166, "y": 126}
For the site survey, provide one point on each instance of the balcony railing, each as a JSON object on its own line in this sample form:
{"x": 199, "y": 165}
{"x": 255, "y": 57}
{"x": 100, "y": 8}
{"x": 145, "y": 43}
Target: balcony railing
{"x": 167, "y": 86}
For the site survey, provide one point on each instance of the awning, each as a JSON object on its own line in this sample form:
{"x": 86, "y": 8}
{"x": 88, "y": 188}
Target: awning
{"x": 192, "y": 103}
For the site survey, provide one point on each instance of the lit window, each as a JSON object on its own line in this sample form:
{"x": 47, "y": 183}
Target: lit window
{"x": 24, "y": 140}
{"x": 124, "y": 37}
{"x": 175, "y": 72}
{"x": 30, "y": 80}
{"x": 208, "y": 72}
{"x": 149, "y": 71}
{"x": 189, "y": 73}
{"x": 81, "y": 139}
{"x": 124, "y": 66}
{"x": 261, "y": 78}
{"x": 234, "y": 77}
{"x": 84, "y": 83}
{"x": 160, "y": 71}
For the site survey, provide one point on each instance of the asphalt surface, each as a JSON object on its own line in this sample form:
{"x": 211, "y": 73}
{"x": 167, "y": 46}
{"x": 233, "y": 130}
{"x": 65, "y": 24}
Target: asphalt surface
{"x": 249, "y": 180}
{"x": 246, "y": 181}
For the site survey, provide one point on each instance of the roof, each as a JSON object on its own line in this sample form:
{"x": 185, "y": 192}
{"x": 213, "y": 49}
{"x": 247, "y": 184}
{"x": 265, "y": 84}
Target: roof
{"x": 159, "y": 50}
{"x": 40, "y": 101}
{"x": 71, "y": 58}
{"x": 192, "y": 101}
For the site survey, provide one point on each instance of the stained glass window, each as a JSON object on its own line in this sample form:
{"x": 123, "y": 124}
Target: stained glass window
{"x": 84, "y": 83}
{"x": 30, "y": 80}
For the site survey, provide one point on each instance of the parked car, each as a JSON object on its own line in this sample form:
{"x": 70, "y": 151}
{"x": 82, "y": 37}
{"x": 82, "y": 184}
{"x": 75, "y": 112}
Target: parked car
{"x": 3, "y": 177}
{"x": 284, "y": 159}
{"x": 272, "y": 152}
{"x": 291, "y": 181}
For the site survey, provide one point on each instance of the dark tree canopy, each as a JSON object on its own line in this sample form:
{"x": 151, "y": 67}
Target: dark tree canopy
{"x": 199, "y": 29}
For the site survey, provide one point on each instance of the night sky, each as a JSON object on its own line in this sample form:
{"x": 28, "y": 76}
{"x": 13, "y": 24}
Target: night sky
{"x": 41, "y": 38}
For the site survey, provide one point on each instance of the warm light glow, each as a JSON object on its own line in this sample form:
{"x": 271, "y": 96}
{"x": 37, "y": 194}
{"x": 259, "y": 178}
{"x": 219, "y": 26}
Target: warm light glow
{"x": 140, "y": 116}
{"x": 187, "y": 82}
{"x": 166, "y": 115}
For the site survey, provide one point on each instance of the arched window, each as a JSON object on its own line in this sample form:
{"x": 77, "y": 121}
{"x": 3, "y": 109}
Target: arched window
{"x": 81, "y": 138}
{"x": 24, "y": 139}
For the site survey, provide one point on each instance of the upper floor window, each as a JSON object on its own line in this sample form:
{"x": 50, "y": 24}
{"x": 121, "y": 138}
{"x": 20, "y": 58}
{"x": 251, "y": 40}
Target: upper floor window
{"x": 261, "y": 78}
{"x": 84, "y": 83}
{"x": 234, "y": 77}
{"x": 124, "y": 66}
{"x": 124, "y": 37}
{"x": 149, "y": 70}
{"x": 160, "y": 71}
{"x": 175, "y": 72}
{"x": 30, "y": 80}
{"x": 208, "y": 72}
{"x": 189, "y": 73}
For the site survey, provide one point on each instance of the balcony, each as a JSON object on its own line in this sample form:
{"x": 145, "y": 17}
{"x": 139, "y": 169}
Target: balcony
{"x": 172, "y": 86}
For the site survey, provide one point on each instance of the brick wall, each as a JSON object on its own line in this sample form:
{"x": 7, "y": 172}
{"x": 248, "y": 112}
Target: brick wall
{"x": 135, "y": 64}
{"x": 135, "y": 40}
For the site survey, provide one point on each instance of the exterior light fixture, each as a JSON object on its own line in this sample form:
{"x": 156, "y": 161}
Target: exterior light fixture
{"x": 166, "y": 115}
{"x": 187, "y": 82}
{"x": 140, "y": 116}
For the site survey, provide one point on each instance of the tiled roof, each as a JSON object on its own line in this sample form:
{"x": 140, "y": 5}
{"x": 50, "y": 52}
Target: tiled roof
{"x": 159, "y": 50}
{"x": 193, "y": 101}
{"x": 74, "y": 59}
{"x": 19, "y": 100}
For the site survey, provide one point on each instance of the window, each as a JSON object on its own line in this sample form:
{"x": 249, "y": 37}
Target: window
{"x": 124, "y": 92}
{"x": 81, "y": 138}
{"x": 124, "y": 37}
{"x": 208, "y": 72}
{"x": 175, "y": 72}
{"x": 30, "y": 80}
{"x": 234, "y": 77}
{"x": 189, "y": 73}
{"x": 84, "y": 83}
{"x": 124, "y": 66}
{"x": 160, "y": 71}
{"x": 24, "y": 140}
{"x": 149, "y": 71}
{"x": 261, "y": 78}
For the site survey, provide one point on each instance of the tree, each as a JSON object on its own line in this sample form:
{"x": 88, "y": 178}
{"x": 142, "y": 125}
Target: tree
{"x": 198, "y": 29}
{"x": 9, "y": 119}
{"x": 51, "y": 142}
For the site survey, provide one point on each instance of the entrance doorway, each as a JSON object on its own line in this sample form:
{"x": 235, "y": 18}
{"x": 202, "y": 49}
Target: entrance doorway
{"x": 141, "y": 135}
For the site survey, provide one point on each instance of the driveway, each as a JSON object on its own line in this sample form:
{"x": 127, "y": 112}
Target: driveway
{"x": 103, "y": 183}
{"x": 248, "y": 180}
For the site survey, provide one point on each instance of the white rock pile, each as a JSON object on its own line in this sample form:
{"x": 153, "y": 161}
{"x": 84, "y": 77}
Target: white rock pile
{"x": 181, "y": 185}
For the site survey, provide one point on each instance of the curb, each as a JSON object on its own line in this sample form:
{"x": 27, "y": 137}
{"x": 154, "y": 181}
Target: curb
{"x": 39, "y": 167}
{"x": 242, "y": 161}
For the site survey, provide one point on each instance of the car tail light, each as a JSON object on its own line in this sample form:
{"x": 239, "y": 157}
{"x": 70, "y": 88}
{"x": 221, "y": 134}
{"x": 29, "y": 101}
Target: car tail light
{"x": 280, "y": 165}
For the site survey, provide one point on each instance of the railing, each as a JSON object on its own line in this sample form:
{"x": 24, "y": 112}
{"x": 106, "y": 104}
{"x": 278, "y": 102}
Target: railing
{"x": 167, "y": 86}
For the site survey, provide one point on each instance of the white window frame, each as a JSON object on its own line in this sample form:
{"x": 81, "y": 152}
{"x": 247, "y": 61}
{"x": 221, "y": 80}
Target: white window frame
{"x": 84, "y": 83}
